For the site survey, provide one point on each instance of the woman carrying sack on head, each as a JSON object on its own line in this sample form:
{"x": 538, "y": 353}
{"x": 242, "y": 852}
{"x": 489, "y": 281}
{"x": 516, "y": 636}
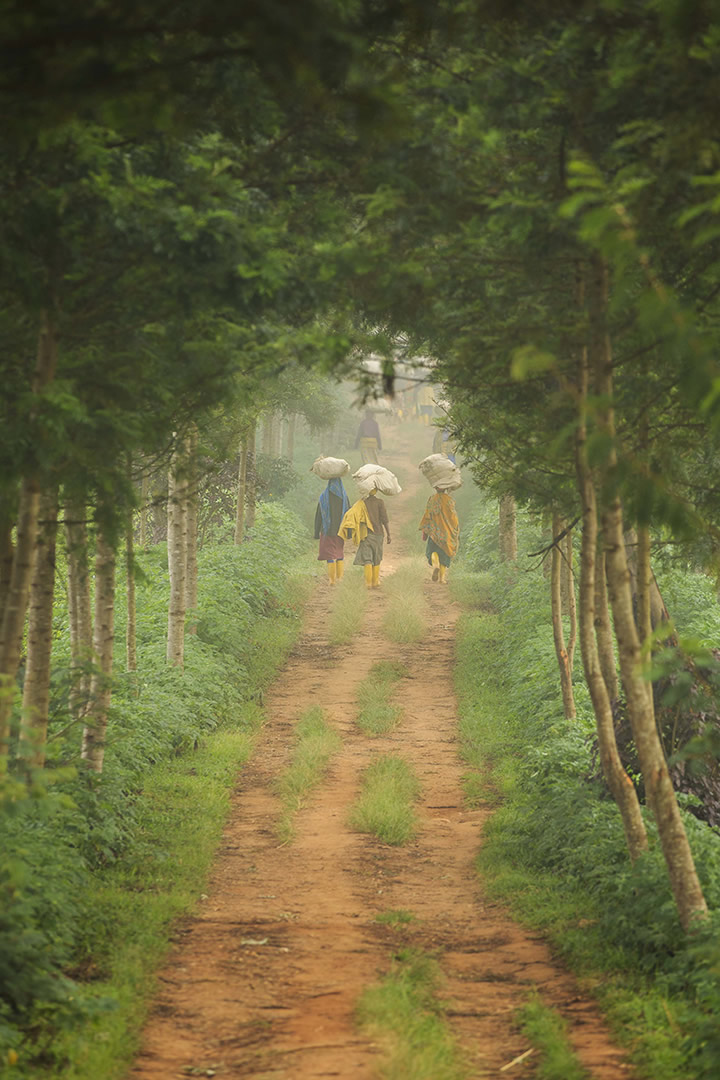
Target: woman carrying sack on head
{"x": 332, "y": 506}
{"x": 441, "y": 529}
{"x": 365, "y": 521}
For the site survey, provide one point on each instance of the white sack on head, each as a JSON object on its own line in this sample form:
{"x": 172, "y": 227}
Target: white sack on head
{"x": 440, "y": 472}
{"x": 369, "y": 477}
{"x": 327, "y": 468}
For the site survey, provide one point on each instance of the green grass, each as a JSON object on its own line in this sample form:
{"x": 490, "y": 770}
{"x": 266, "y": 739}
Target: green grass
{"x": 384, "y": 807}
{"x": 395, "y": 917}
{"x": 378, "y": 714}
{"x": 348, "y": 606}
{"x": 316, "y": 742}
{"x": 547, "y": 1031}
{"x": 182, "y": 812}
{"x": 405, "y": 621}
{"x": 404, "y": 1015}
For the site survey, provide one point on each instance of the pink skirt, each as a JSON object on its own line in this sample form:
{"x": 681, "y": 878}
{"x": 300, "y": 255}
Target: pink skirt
{"x": 331, "y": 548}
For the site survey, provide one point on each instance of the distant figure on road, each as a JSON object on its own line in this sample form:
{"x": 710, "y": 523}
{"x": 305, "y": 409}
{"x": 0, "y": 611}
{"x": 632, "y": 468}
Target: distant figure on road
{"x": 332, "y": 506}
{"x": 441, "y": 529}
{"x": 368, "y": 439}
{"x": 364, "y": 522}
{"x": 444, "y": 443}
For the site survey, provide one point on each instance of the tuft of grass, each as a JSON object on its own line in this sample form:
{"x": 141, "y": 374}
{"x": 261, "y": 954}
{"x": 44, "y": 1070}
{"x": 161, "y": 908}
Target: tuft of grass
{"x": 406, "y": 620}
{"x": 316, "y": 743}
{"x": 348, "y": 606}
{"x": 547, "y": 1031}
{"x": 378, "y": 714}
{"x": 385, "y": 805}
{"x": 395, "y": 917}
{"x": 403, "y": 1013}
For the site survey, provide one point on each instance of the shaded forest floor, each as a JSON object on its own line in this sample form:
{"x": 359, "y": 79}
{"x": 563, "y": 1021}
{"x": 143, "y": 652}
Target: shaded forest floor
{"x": 263, "y": 981}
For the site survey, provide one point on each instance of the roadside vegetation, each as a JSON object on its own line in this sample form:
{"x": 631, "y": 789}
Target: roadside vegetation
{"x": 555, "y": 848}
{"x": 316, "y": 742}
{"x": 378, "y": 713}
{"x": 547, "y": 1031}
{"x": 385, "y": 806}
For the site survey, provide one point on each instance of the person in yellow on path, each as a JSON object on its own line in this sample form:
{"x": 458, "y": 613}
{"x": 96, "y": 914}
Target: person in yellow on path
{"x": 364, "y": 522}
{"x": 441, "y": 529}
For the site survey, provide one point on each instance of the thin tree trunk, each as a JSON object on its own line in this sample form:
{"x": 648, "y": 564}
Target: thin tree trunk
{"x": 557, "y": 624}
{"x": 6, "y": 561}
{"x": 267, "y": 435}
{"x": 508, "y": 528}
{"x": 603, "y": 627}
{"x": 144, "y": 494}
{"x": 12, "y": 621}
{"x": 191, "y": 504}
{"x": 569, "y": 578}
{"x": 131, "y": 624}
{"x": 291, "y": 429}
{"x": 36, "y": 688}
{"x": 277, "y": 436}
{"x": 250, "y": 481}
{"x": 638, "y": 691}
{"x": 241, "y": 493}
{"x": 96, "y": 716}
{"x": 177, "y": 560}
{"x": 79, "y": 605}
{"x": 644, "y": 584}
{"x": 621, "y": 786}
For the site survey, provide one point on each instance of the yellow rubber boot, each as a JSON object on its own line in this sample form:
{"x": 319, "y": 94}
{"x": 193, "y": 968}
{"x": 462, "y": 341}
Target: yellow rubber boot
{"x": 332, "y": 573}
{"x": 367, "y": 568}
{"x": 376, "y": 576}
{"x": 435, "y": 560}
{"x": 443, "y": 575}
{"x": 339, "y": 569}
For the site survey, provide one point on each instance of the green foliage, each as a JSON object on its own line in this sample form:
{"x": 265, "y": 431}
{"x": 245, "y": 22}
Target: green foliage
{"x": 406, "y": 1016}
{"x": 61, "y": 842}
{"x": 385, "y": 804}
{"x": 576, "y": 882}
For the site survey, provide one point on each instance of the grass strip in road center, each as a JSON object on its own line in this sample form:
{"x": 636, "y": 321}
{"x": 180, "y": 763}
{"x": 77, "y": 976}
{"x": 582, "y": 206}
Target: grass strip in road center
{"x": 316, "y": 743}
{"x": 385, "y": 805}
{"x": 348, "y": 606}
{"x": 405, "y": 1016}
{"x": 378, "y": 714}
{"x": 406, "y": 618}
{"x": 547, "y": 1031}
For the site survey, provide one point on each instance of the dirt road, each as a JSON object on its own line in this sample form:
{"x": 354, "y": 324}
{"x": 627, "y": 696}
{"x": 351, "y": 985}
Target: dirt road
{"x": 264, "y": 981}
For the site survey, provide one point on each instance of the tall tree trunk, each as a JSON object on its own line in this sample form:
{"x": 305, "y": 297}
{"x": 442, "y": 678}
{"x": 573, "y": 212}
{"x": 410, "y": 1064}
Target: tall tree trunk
{"x": 6, "y": 561}
{"x": 241, "y": 492}
{"x": 508, "y": 529}
{"x": 79, "y": 604}
{"x": 191, "y": 502}
{"x": 557, "y": 623}
{"x": 131, "y": 624}
{"x": 291, "y": 430}
{"x": 620, "y": 785}
{"x": 36, "y": 689}
{"x": 638, "y": 691}
{"x": 159, "y": 510}
{"x": 177, "y": 559}
{"x": 96, "y": 716}
{"x": 277, "y": 436}
{"x": 603, "y": 627}
{"x": 144, "y": 496}
{"x": 267, "y": 435}
{"x": 568, "y": 573}
{"x": 12, "y": 619}
{"x": 250, "y": 479}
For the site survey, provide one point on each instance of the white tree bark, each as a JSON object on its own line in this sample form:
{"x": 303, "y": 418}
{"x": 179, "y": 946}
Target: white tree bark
{"x": 96, "y": 717}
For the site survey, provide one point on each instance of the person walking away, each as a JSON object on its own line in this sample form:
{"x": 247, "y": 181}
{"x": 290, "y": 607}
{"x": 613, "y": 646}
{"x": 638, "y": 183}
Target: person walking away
{"x": 368, "y": 439}
{"x": 441, "y": 529}
{"x": 365, "y": 521}
{"x": 332, "y": 506}
{"x": 444, "y": 443}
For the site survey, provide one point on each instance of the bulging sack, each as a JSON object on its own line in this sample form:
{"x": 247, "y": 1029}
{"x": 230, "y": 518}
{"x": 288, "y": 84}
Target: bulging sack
{"x": 327, "y": 468}
{"x": 376, "y": 477}
{"x": 440, "y": 472}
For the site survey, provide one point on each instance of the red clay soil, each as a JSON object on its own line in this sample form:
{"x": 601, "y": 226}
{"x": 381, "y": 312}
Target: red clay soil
{"x": 263, "y": 982}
